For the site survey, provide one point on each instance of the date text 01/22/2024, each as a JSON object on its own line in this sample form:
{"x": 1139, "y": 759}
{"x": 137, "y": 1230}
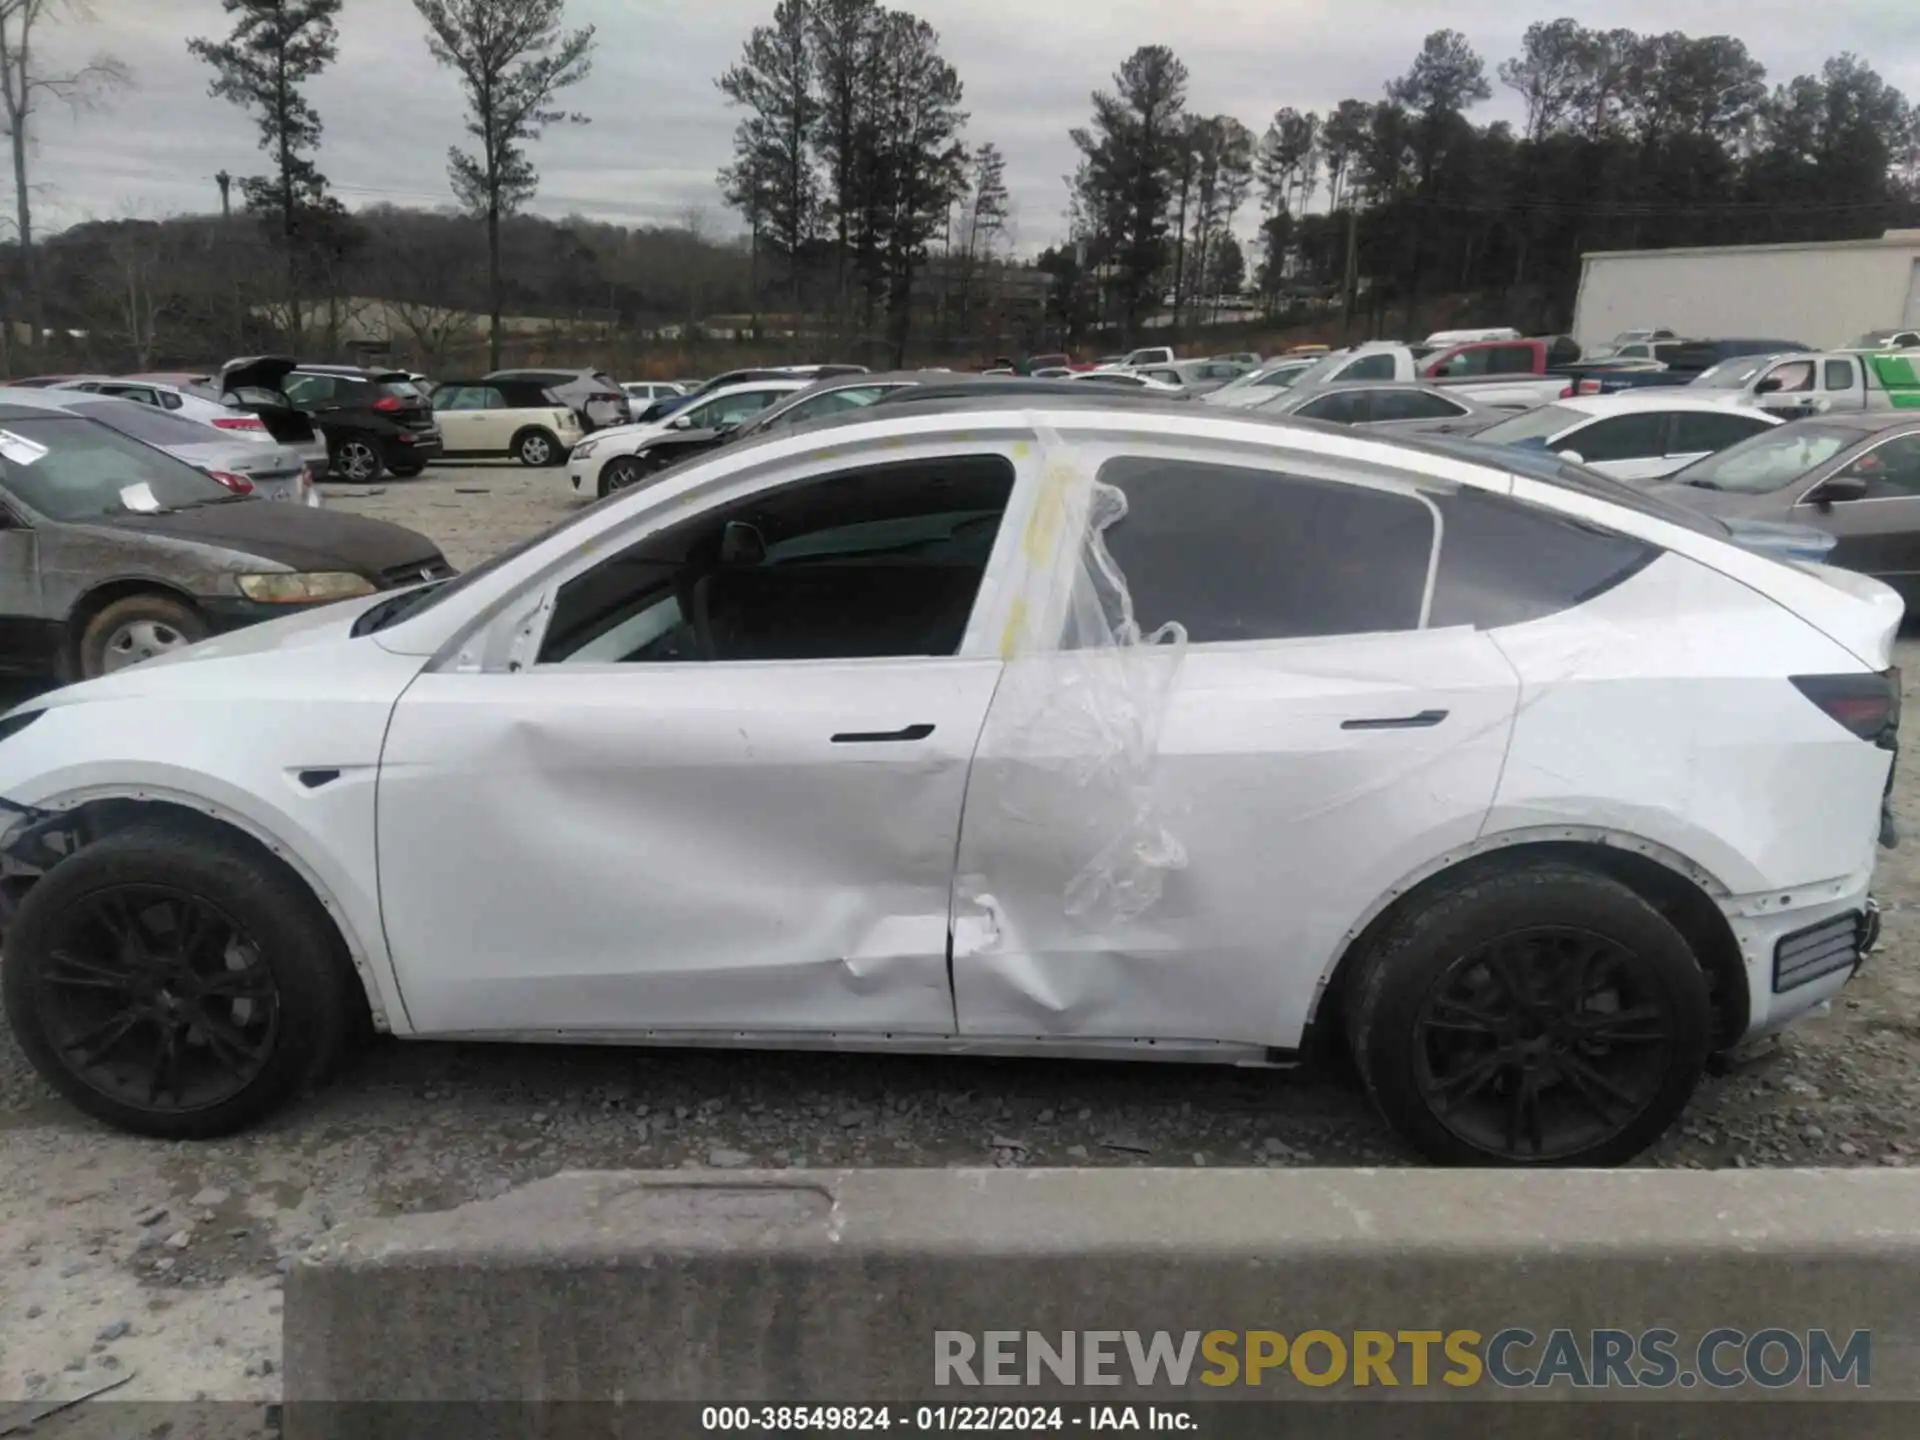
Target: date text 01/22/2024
{"x": 1001, "y": 1419}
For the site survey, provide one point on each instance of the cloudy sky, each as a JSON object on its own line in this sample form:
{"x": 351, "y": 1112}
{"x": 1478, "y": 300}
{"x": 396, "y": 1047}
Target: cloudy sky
{"x": 660, "y": 129}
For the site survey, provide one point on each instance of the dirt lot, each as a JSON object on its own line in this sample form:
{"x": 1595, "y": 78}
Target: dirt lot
{"x": 119, "y": 1256}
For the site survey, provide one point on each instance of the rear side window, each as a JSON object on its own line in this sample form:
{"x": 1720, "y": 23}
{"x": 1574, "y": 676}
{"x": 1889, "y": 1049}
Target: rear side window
{"x": 1370, "y": 367}
{"x": 1504, "y": 563}
{"x": 1839, "y": 375}
{"x": 1243, "y": 554}
{"x": 1414, "y": 405}
{"x": 1348, "y": 407}
{"x": 1620, "y": 437}
{"x": 1510, "y": 360}
{"x": 1696, "y": 433}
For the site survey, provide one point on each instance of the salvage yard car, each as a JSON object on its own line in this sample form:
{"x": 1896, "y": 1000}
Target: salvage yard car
{"x": 505, "y": 417}
{"x": 1063, "y": 724}
{"x": 113, "y": 552}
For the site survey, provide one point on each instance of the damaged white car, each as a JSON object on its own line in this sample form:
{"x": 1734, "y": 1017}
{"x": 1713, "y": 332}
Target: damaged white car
{"x": 1032, "y": 725}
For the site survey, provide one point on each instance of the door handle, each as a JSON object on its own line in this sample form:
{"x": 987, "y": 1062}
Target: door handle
{"x": 1425, "y": 720}
{"x": 882, "y": 737}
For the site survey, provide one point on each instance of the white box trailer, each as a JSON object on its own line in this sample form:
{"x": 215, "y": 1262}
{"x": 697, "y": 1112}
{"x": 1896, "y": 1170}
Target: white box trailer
{"x": 1825, "y": 294}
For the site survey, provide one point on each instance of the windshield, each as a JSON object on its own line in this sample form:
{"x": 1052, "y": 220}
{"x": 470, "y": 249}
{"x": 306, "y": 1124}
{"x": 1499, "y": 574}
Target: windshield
{"x": 1734, "y": 374}
{"x": 1319, "y": 370}
{"x": 143, "y": 422}
{"x": 68, "y": 468}
{"x": 1535, "y": 426}
{"x": 1765, "y": 462}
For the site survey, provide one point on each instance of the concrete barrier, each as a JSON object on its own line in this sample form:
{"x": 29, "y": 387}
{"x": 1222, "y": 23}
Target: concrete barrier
{"x": 851, "y": 1287}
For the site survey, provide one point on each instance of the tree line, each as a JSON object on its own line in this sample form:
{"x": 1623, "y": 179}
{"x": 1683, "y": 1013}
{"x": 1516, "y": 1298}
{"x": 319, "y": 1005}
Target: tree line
{"x": 510, "y": 58}
{"x": 1628, "y": 141}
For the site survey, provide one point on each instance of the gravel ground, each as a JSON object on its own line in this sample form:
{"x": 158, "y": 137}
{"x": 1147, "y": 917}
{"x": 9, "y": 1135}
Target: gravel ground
{"x": 123, "y": 1257}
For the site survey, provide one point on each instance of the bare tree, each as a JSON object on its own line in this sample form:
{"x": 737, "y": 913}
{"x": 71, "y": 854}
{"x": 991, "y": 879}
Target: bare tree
{"x": 512, "y": 58}
{"x": 23, "y": 85}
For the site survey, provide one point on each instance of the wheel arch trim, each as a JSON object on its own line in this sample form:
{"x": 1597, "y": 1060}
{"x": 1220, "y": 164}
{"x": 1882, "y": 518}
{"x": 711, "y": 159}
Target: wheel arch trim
{"x": 1626, "y": 842}
{"x": 372, "y": 965}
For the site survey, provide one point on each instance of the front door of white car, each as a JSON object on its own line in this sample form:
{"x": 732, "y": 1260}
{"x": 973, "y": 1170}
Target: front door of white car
{"x": 713, "y": 777}
{"x": 1183, "y": 868}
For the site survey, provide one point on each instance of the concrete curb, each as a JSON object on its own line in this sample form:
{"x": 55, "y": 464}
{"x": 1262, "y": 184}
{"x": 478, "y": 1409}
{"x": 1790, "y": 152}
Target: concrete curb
{"x": 830, "y": 1286}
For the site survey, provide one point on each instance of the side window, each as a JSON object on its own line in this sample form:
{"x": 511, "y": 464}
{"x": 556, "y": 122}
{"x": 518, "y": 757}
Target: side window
{"x": 1837, "y": 375}
{"x": 457, "y": 397}
{"x": 1343, "y": 407}
{"x": 170, "y": 400}
{"x": 492, "y": 398}
{"x": 306, "y": 390}
{"x": 1795, "y": 376}
{"x": 1243, "y": 554}
{"x": 1892, "y": 470}
{"x": 1620, "y": 437}
{"x": 1504, "y": 563}
{"x": 1370, "y": 367}
{"x": 1414, "y": 405}
{"x": 1701, "y": 433}
{"x": 735, "y": 408}
{"x": 1510, "y": 360}
{"x": 1467, "y": 362}
{"x": 879, "y": 562}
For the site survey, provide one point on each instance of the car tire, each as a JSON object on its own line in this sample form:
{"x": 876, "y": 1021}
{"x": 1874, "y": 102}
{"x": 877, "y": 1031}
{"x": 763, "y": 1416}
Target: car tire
{"x": 357, "y": 461}
{"x": 538, "y": 448}
{"x": 217, "y": 1042}
{"x": 621, "y": 472}
{"x": 1470, "y": 1024}
{"x": 135, "y": 628}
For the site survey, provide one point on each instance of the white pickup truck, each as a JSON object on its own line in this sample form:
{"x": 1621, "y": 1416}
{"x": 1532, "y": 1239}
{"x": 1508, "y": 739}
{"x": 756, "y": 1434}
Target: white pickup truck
{"x": 1507, "y": 375}
{"x": 1796, "y": 386}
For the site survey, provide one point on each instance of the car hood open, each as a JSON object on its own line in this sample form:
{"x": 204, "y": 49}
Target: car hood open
{"x": 291, "y": 535}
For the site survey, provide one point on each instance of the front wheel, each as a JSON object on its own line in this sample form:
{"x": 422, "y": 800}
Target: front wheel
{"x": 136, "y": 628}
{"x": 358, "y": 461}
{"x": 621, "y": 473}
{"x": 1545, "y": 1015}
{"x": 175, "y": 983}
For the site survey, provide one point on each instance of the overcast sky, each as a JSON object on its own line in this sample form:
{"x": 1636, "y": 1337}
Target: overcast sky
{"x": 660, "y": 128}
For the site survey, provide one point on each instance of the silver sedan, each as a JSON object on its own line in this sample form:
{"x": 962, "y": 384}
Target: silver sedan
{"x": 267, "y": 471}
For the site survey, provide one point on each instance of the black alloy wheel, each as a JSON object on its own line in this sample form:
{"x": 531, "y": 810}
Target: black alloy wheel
{"x": 1542, "y": 1044}
{"x": 175, "y": 980}
{"x": 157, "y": 999}
{"x": 1543, "y": 1014}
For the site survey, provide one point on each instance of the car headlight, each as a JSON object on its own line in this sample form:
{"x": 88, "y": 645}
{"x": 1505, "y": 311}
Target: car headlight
{"x": 584, "y": 450}
{"x": 305, "y": 589}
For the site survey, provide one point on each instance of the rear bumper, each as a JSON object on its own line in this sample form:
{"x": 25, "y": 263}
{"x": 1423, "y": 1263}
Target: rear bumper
{"x": 408, "y": 447}
{"x": 1800, "y": 955}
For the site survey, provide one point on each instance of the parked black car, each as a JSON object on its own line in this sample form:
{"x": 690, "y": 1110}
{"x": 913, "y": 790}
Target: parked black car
{"x": 374, "y": 421}
{"x": 1821, "y": 472}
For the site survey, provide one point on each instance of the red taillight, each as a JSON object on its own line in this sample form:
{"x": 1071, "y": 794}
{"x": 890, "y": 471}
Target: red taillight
{"x": 1868, "y": 705}
{"x": 1567, "y": 394}
{"x": 238, "y": 422}
{"x": 387, "y": 404}
{"x": 239, "y": 484}
{"x": 1590, "y": 387}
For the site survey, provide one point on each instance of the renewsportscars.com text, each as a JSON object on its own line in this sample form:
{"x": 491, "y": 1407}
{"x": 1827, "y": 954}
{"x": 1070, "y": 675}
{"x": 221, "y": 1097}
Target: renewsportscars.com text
{"x": 1513, "y": 1358}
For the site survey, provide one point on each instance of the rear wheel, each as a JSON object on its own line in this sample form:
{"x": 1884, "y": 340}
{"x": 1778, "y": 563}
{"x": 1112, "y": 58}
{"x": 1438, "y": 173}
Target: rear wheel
{"x": 620, "y": 473}
{"x": 538, "y": 447}
{"x": 136, "y": 628}
{"x": 175, "y": 983}
{"x": 1541, "y": 1016}
{"x": 357, "y": 460}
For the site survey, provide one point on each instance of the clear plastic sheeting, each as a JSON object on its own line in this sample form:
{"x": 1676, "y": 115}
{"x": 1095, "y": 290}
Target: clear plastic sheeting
{"x": 1084, "y": 692}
